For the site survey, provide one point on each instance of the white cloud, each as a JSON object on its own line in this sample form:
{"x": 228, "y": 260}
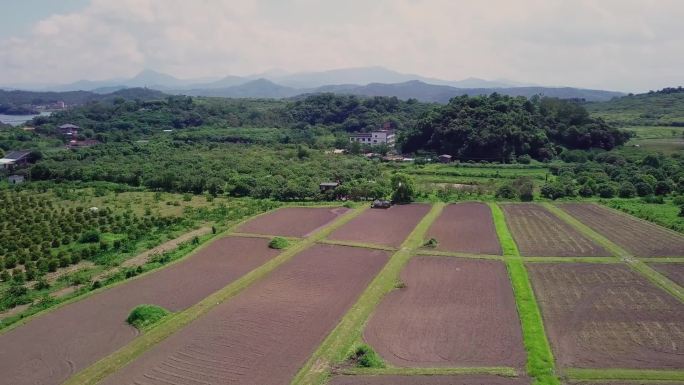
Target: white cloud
{"x": 615, "y": 44}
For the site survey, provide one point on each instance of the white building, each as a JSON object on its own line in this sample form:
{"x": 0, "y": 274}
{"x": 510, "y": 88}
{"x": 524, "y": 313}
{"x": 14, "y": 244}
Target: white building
{"x": 374, "y": 138}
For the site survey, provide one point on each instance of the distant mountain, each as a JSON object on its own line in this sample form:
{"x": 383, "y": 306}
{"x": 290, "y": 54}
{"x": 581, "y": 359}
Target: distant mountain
{"x": 75, "y": 97}
{"x": 260, "y": 88}
{"x": 659, "y": 108}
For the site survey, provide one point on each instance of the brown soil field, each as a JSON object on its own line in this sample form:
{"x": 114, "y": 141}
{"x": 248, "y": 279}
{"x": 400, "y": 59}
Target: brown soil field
{"x": 382, "y": 226}
{"x": 292, "y": 221}
{"x": 54, "y": 346}
{"x": 608, "y": 316}
{"x": 427, "y": 380}
{"x": 641, "y": 238}
{"x": 466, "y": 228}
{"x": 452, "y": 312}
{"x": 539, "y": 233}
{"x": 267, "y": 332}
{"x": 673, "y": 271}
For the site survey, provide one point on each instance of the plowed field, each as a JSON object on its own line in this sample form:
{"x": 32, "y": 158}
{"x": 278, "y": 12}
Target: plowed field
{"x": 427, "y": 380}
{"x": 452, "y": 312}
{"x": 266, "y": 333}
{"x": 466, "y": 228}
{"x": 607, "y": 316}
{"x": 539, "y": 233}
{"x": 52, "y": 347}
{"x": 641, "y": 238}
{"x": 674, "y": 271}
{"x": 292, "y": 221}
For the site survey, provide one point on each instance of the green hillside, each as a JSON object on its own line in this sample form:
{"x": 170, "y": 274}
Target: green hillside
{"x": 659, "y": 108}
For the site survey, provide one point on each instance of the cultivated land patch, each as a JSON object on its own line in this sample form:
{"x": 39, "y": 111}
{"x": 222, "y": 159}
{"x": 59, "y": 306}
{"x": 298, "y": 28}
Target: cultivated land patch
{"x": 266, "y": 333}
{"x": 52, "y": 347}
{"x": 608, "y": 316}
{"x": 539, "y": 233}
{"x": 452, "y": 313}
{"x": 673, "y": 271}
{"x": 641, "y": 238}
{"x": 292, "y": 221}
{"x": 382, "y": 226}
{"x": 427, "y": 380}
{"x": 466, "y": 228}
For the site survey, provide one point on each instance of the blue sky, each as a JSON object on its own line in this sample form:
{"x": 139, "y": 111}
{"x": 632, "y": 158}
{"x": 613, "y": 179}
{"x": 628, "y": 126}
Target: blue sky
{"x": 19, "y": 15}
{"x": 625, "y": 45}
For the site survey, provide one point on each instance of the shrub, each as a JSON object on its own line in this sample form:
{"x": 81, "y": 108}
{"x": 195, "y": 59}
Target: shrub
{"x": 505, "y": 192}
{"x": 366, "y": 357}
{"x": 91, "y": 236}
{"x": 606, "y": 191}
{"x": 432, "y": 242}
{"x": 524, "y": 159}
{"x": 627, "y": 190}
{"x": 643, "y": 189}
{"x": 144, "y": 316}
{"x": 278, "y": 243}
{"x": 586, "y": 191}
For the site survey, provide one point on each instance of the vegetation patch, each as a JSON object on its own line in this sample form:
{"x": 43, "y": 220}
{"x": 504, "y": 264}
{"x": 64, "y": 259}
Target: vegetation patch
{"x": 365, "y": 357}
{"x": 431, "y": 243}
{"x": 144, "y": 316}
{"x": 278, "y": 243}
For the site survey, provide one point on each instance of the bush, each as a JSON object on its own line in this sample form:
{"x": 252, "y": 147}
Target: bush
{"x": 432, "y": 242}
{"x": 627, "y": 190}
{"x": 586, "y": 191}
{"x": 606, "y": 191}
{"x": 524, "y": 159}
{"x": 366, "y": 357}
{"x": 278, "y": 243}
{"x": 505, "y": 192}
{"x": 643, "y": 189}
{"x": 91, "y": 236}
{"x": 144, "y": 316}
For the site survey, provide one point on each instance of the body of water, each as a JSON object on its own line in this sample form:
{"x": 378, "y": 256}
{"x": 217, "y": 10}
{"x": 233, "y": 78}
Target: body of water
{"x": 17, "y": 120}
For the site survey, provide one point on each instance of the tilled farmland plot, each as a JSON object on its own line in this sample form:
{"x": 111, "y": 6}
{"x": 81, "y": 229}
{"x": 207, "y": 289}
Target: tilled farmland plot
{"x": 54, "y": 346}
{"x": 292, "y": 221}
{"x": 539, "y": 233}
{"x": 466, "y": 228}
{"x": 427, "y": 380}
{"x": 452, "y": 312}
{"x": 607, "y": 316}
{"x": 673, "y": 271}
{"x": 641, "y": 238}
{"x": 266, "y": 333}
{"x": 382, "y": 226}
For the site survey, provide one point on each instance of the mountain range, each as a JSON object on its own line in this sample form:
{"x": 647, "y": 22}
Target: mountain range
{"x": 365, "y": 81}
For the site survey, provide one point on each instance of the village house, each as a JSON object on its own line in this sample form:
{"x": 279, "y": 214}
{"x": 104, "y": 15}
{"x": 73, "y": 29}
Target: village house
{"x": 327, "y": 186}
{"x": 374, "y": 138}
{"x": 15, "y": 179}
{"x": 69, "y": 129}
{"x": 15, "y": 159}
{"x": 444, "y": 158}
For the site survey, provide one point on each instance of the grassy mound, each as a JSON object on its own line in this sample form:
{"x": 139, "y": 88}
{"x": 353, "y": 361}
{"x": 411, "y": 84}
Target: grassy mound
{"x": 144, "y": 316}
{"x": 366, "y": 357}
{"x": 278, "y": 243}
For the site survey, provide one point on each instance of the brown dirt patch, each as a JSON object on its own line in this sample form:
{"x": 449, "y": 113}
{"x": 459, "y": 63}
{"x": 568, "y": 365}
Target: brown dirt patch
{"x": 55, "y": 345}
{"x": 266, "y": 333}
{"x": 292, "y": 221}
{"x": 382, "y": 226}
{"x": 607, "y": 316}
{"x": 452, "y": 312}
{"x": 673, "y": 271}
{"x": 539, "y": 233}
{"x": 427, "y": 380}
{"x": 466, "y": 228}
{"x": 641, "y": 238}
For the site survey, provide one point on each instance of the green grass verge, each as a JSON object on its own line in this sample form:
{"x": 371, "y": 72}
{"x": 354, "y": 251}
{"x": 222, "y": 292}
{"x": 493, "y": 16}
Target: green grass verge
{"x": 495, "y": 371}
{"x": 366, "y": 357}
{"x": 439, "y": 253}
{"x": 540, "y": 362}
{"x": 636, "y": 264}
{"x": 170, "y": 325}
{"x": 363, "y": 245}
{"x": 143, "y": 317}
{"x": 339, "y": 343}
{"x": 662, "y": 260}
{"x": 624, "y": 374}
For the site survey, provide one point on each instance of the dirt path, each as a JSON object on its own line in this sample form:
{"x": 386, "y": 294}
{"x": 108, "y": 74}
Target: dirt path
{"x": 143, "y": 257}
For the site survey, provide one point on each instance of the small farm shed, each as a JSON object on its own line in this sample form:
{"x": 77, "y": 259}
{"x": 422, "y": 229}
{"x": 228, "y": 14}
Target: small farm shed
{"x": 327, "y": 186}
{"x": 15, "y": 179}
{"x": 69, "y": 129}
{"x": 15, "y": 158}
{"x": 444, "y": 158}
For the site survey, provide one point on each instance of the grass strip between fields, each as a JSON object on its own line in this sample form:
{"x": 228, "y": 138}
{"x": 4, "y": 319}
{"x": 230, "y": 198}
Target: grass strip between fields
{"x": 635, "y": 263}
{"x": 624, "y": 374}
{"x": 108, "y": 365}
{"x": 363, "y": 245}
{"x": 439, "y": 253}
{"x": 337, "y": 346}
{"x": 393, "y": 371}
{"x": 540, "y": 361}
{"x": 570, "y": 260}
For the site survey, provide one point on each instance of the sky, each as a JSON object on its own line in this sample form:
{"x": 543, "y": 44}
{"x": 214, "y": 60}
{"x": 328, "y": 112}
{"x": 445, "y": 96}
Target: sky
{"x": 622, "y": 45}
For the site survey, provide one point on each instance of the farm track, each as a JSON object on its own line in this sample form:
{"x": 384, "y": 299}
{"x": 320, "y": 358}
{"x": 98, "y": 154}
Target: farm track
{"x": 266, "y": 333}
{"x": 673, "y": 271}
{"x": 539, "y": 233}
{"x": 292, "y": 221}
{"x": 427, "y": 380}
{"x": 452, "y": 313}
{"x": 50, "y": 348}
{"x": 388, "y": 227}
{"x": 640, "y": 238}
{"x": 466, "y": 228}
{"x": 608, "y": 316}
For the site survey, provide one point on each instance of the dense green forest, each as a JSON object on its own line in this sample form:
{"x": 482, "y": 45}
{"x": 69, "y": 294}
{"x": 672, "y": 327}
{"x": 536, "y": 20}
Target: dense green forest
{"x": 655, "y": 108}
